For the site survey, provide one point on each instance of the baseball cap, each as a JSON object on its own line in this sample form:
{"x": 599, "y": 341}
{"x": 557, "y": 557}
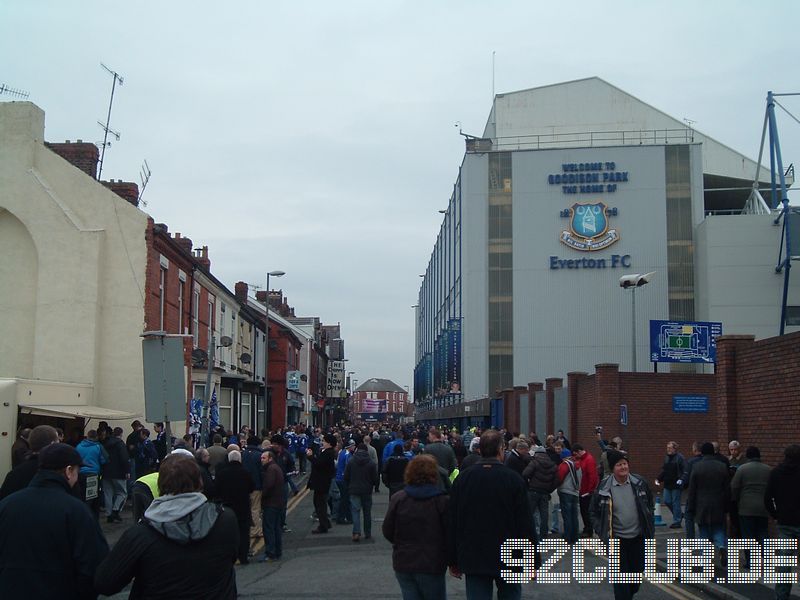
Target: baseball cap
{"x": 59, "y": 456}
{"x": 351, "y": 443}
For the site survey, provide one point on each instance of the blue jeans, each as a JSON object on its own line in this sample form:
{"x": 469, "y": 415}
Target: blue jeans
{"x": 357, "y": 502}
{"x": 273, "y": 532}
{"x": 569, "y": 512}
{"x": 539, "y": 502}
{"x": 555, "y": 513}
{"x": 422, "y": 586}
{"x": 782, "y": 590}
{"x": 479, "y": 587}
{"x": 672, "y": 499}
{"x": 688, "y": 520}
{"x": 115, "y": 493}
{"x": 713, "y": 533}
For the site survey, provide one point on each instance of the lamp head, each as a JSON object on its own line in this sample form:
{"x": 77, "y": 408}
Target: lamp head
{"x": 635, "y": 280}
{"x": 276, "y": 273}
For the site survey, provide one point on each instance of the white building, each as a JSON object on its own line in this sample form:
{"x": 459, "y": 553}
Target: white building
{"x": 570, "y": 187}
{"x": 62, "y": 317}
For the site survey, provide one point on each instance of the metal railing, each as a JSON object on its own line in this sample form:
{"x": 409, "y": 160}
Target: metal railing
{"x": 642, "y": 137}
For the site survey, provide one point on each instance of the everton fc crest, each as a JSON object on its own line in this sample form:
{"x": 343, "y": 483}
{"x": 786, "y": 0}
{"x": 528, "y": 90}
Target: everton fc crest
{"x": 588, "y": 224}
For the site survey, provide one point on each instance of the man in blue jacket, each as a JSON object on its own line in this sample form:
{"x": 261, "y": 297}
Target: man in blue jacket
{"x": 94, "y": 456}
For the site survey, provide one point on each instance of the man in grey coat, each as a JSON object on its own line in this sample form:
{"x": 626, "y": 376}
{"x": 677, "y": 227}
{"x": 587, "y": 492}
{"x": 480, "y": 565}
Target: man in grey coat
{"x": 747, "y": 491}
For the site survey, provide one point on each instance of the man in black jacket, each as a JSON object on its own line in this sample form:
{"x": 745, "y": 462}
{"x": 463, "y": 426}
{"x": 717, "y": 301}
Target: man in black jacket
{"x": 21, "y": 475}
{"x": 709, "y": 495}
{"x": 50, "y": 543}
{"x": 671, "y": 472}
{"x": 323, "y": 470}
{"x": 782, "y": 501}
{"x": 540, "y": 473}
{"x": 488, "y": 505}
{"x": 233, "y": 486}
{"x": 360, "y": 477}
{"x": 115, "y": 475}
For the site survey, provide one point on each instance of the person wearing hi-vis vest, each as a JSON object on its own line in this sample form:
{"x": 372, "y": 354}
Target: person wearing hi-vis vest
{"x": 145, "y": 489}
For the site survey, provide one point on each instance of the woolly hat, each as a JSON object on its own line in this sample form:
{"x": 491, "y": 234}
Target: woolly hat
{"x": 614, "y": 456}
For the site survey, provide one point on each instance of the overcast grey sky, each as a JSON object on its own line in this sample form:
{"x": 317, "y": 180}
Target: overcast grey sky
{"x": 318, "y": 138}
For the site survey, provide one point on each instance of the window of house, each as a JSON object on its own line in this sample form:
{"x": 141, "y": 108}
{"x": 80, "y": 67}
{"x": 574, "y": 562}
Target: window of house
{"x": 162, "y": 285}
{"x": 244, "y": 414}
{"x": 181, "y": 286}
{"x": 225, "y": 400}
{"x": 196, "y": 318}
{"x": 210, "y": 320}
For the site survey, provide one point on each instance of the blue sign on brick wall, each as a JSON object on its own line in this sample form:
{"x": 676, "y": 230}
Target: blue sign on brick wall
{"x": 690, "y": 404}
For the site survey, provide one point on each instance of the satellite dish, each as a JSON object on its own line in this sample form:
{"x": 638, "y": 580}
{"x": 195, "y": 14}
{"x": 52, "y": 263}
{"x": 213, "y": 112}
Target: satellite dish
{"x": 225, "y": 341}
{"x": 199, "y": 356}
{"x": 245, "y": 358}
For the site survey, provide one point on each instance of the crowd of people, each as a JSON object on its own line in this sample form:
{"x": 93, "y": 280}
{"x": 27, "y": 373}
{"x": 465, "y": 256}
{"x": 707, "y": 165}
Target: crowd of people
{"x": 454, "y": 498}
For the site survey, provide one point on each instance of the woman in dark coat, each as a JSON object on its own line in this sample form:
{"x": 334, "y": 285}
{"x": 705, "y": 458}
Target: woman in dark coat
{"x": 415, "y": 524}
{"x": 185, "y": 546}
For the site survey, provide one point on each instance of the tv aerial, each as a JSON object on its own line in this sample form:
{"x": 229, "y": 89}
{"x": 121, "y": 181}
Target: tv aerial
{"x": 106, "y": 128}
{"x": 13, "y": 92}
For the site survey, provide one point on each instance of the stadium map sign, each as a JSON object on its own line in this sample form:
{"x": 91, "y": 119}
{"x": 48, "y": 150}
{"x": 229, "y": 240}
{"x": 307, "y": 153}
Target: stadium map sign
{"x": 684, "y": 341}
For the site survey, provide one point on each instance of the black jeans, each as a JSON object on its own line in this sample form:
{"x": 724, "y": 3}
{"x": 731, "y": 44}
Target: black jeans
{"x": 244, "y": 539}
{"x": 587, "y": 521}
{"x": 321, "y": 508}
{"x": 631, "y": 560}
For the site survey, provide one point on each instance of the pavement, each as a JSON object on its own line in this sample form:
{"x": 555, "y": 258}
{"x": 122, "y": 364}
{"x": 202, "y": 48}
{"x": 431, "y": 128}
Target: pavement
{"x": 315, "y": 566}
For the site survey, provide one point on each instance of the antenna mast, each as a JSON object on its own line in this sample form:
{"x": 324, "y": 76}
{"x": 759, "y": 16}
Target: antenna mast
{"x": 4, "y": 89}
{"x": 105, "y": 127}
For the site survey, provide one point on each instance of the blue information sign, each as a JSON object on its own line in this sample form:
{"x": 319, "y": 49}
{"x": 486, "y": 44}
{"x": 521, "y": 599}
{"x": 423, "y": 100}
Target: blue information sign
{"x": 690, "y": 404}
{"x": 684, "y": 341}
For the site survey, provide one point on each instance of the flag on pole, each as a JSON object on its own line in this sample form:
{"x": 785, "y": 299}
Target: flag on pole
{"x": 213, "y": 415}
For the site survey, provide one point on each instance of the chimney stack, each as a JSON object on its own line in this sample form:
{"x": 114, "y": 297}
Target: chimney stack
{"x": 241, "y": 289}
{"x": 126, "y": 190}
{"x": 80, "y": 154}
{"x": 184, "y": 243}
{"x": 201, "y": 256}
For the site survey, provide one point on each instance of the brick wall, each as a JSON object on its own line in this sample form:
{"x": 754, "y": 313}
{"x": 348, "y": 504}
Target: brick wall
{"x": 651, "y": 420}
{"x": 763, "y": 391}
{"x": 80, "y": 154}
{"x": 754, "y": 397}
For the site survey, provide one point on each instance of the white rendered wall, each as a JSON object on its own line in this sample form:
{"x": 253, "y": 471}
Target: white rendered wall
{"x": 90, "y": 258}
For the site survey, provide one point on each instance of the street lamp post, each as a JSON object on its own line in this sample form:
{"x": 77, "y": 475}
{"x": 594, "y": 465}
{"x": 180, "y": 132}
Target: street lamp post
{"x": 636, "y": 280}
{"x": 267, "y": 399}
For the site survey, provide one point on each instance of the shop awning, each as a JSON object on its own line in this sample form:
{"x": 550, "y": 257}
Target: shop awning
{"x": 86, "y": 411}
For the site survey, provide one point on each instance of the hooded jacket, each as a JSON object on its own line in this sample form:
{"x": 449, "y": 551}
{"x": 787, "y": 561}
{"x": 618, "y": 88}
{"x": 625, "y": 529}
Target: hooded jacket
{"x": 601, "y": 508}
{"x": 184, "y": 547}
{"x": 540, "y": 472}
{"x": 360, "y": 474}
{"x": 93, "y": 455}
{"x": 415, "y": 525}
